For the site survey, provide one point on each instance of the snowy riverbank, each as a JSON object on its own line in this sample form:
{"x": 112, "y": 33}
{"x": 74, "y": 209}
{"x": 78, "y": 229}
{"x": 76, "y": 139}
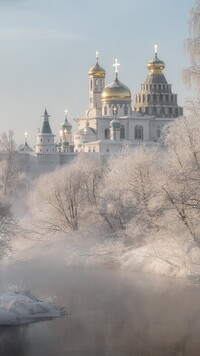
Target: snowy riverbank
{"x": 170, "y": 257}
{"x": 18, "y": 306}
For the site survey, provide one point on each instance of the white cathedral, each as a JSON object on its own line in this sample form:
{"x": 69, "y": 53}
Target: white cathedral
{"x": 110, "y": 122}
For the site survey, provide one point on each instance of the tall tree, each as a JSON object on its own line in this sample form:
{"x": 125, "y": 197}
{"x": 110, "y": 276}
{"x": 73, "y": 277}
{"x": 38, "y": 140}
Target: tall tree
{"x": 191, "y": 75}
{"x": 8, "y": 164}
{"x": 182, "y": 183}
{"x": 62, "y": 200}
{"x": 130, "y": 200}
{"x": 8, "y": 227}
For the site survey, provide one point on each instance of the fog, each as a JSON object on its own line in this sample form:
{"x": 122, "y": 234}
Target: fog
{"x": 110, "y": 312}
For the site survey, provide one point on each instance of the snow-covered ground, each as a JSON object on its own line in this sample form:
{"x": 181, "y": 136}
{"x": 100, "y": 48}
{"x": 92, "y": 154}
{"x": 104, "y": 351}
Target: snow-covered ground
{"x": 170, "y": 258}
{"x": 18, "y": 306}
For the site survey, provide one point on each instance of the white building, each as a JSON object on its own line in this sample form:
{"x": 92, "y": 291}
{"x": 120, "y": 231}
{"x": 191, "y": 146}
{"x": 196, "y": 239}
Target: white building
{"x": 110, "y": 122}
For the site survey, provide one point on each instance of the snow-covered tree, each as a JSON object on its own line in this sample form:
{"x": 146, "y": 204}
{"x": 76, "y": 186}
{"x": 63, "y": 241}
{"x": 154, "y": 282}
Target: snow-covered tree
{"x": 9, "y": 177}
{"x": 192, "y": 74}
{"x": 131, "y": 199}
{"x": 64, "y": 199}
{"x": 9, "y": 167}
{"x": 182, "y": 183}
{"x": 92, "y": 174}
{"x": 56, "y": 200}
{"x": 8, "y": 227}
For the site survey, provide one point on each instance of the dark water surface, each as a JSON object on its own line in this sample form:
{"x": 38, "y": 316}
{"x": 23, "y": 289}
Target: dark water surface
{"x": 111, "y": 313}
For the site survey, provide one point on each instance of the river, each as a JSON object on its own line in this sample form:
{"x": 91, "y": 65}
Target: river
{"x": 110, "y": 313}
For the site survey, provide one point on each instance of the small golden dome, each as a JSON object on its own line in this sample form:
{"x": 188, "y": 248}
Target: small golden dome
{"x": 116, "y": 90}
{"x": 97, "y": 71}
{"x": 156, "y": 66}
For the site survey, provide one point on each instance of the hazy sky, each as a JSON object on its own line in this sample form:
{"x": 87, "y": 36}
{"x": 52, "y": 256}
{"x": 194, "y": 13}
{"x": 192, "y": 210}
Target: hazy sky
{"x": 48, "y": 46}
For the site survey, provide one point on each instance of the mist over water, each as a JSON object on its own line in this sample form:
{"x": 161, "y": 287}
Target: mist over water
{"x": 110, "y": 312}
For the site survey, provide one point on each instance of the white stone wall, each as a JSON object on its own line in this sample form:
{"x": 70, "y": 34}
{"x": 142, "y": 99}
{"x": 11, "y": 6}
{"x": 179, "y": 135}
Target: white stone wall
{"x": 138, "y": 122}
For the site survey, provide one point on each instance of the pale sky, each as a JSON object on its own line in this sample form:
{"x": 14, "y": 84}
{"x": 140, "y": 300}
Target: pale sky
{"x": 48, "y": 46}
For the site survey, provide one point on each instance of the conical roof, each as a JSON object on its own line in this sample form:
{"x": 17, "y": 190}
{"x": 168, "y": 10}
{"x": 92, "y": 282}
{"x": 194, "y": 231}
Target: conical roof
{"x": 46, "y": 128}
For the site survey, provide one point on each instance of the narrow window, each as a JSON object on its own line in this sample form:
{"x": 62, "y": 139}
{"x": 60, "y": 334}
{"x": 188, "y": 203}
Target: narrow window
{"x": 138, "y": 132}
{"x": 125, "y": 110}
{"x": 122, "y": 132}
{"x": 158, "y": 132}
{"x": 107, "y": 134}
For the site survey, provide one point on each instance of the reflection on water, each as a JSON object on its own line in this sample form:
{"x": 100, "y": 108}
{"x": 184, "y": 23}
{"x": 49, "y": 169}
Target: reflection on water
{"x": 13, "y": 341}
{"x": 111, "y": 313}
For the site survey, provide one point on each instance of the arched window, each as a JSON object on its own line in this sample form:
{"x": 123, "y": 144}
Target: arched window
{"x": 105, "y": 110}
{"x": 158, "y": 132}
{"x": 115, "y": 110}
{"x": 138, "y": 132}
{"x": 125, "y": 110}
{"x": 158, "y": 110}
{"x": 122, "y": 132}
{"x": 107, "y": 134}
{"x": 91, "y": 84}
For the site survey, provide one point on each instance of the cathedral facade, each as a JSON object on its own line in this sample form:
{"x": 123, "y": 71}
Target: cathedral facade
{"x": 111, "y": 120}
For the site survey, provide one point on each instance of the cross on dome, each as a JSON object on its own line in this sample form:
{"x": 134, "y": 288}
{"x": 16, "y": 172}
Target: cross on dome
{"x": 25, "y": 135}
{"x": 156, "y": 49}
{"x": 97, "y": 55}
{"x": 66, "y": 112}
{"x": 116, "y": 65}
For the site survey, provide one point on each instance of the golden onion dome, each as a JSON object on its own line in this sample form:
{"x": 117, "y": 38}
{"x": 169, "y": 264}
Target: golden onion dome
{"x": 116, "y": 90}
{"x": 97, "y": 71}
{"x": 155, "y": 66}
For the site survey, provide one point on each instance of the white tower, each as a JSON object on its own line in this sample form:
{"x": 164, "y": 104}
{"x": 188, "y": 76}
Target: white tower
{"x": 45, "y": 139}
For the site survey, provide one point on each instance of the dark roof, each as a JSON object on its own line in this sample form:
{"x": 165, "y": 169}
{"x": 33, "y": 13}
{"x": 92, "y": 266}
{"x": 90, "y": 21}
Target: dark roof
{"x": 25, "y": 148}
{"x": 46, "y": 129}
{"x": 155, "y": 79}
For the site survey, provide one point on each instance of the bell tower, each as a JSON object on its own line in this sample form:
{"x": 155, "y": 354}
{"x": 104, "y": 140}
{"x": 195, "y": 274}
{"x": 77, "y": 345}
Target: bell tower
{"x": 96, "y": 77}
